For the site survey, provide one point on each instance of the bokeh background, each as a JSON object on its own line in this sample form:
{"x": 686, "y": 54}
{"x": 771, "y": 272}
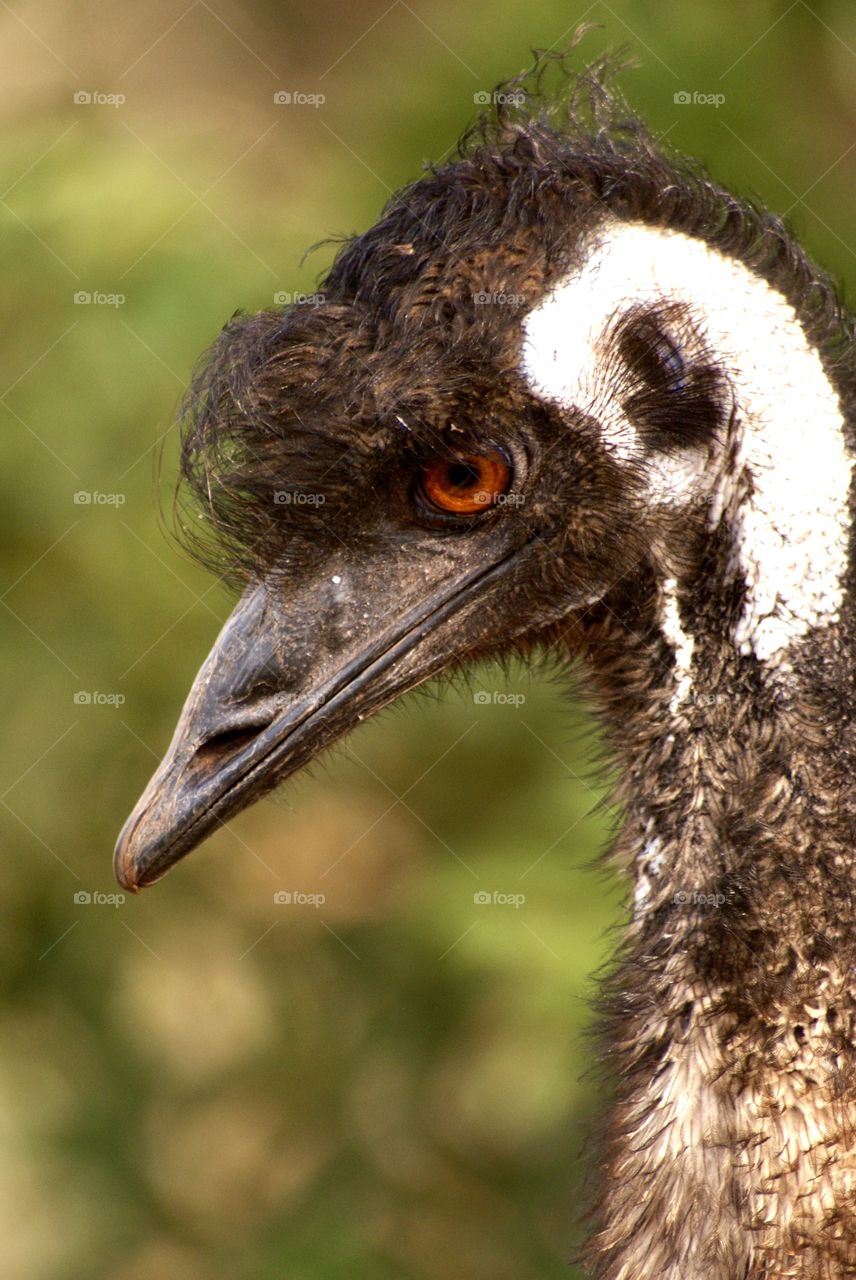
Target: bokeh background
{"x": 202, "y": 1083}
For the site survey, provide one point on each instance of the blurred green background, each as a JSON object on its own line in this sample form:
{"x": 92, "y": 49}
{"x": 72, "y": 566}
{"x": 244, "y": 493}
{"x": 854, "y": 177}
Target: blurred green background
{"x": 201, "y": 1083}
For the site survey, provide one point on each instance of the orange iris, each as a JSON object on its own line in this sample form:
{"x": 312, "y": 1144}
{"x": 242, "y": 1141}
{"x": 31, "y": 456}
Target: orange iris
{"x": 466, "y": 484}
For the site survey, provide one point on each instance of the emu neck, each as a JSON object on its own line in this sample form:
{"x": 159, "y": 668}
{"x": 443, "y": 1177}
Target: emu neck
{"x": 727, "y": 767}
{"x": 730, "y": 1151}
{"x": 735, "y": 777}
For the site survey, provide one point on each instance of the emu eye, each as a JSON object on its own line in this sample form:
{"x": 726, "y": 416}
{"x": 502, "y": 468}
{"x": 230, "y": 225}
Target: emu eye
{"x": 465, "y": 484}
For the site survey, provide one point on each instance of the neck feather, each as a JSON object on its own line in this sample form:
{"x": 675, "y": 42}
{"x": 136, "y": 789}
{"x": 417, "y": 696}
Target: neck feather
{"x": 731, "y": 1016}
{"x": 724, "y": 667}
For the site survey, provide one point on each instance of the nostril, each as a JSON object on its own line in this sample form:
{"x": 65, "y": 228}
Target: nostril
{"x": 227, "y": 743}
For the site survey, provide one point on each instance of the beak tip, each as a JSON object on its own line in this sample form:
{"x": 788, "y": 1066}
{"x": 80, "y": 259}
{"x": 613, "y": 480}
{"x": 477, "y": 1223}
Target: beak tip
{"x": 145, "y": 850}
{"x": 129, "y": 874}
{"x": 128, "y": 866}
{"x": 124, "y": 868}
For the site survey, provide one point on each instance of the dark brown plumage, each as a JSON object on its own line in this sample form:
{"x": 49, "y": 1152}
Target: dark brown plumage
{"x": 729, "y": 1151}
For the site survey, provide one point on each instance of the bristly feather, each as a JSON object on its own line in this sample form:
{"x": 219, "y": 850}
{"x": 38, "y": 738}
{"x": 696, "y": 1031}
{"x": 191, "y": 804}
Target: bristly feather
{"x": 302, "y": 401}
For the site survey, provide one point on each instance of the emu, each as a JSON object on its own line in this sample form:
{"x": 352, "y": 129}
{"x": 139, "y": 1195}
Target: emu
{"x": 570, "y": 395}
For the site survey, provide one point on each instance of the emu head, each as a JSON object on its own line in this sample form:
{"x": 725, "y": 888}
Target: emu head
{"x": 566, "y": 389}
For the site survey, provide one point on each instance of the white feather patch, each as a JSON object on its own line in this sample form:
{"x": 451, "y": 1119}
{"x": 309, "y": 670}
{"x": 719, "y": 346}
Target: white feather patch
{"x": 792, "y": 531}
{"x": 648, "y": 866}
{"x": 682, "y": 643}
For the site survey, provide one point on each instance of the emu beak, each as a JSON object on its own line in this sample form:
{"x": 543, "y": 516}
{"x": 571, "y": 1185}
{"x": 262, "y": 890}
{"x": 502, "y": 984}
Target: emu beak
{"x": 287, "y": 677}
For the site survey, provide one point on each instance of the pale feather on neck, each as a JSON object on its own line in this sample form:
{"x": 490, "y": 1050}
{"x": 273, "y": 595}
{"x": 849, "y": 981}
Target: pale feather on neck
{"x": 791, "y": 527}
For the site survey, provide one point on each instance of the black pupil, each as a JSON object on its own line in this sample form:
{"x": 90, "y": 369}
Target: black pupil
{"x": 462, "y": 475}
